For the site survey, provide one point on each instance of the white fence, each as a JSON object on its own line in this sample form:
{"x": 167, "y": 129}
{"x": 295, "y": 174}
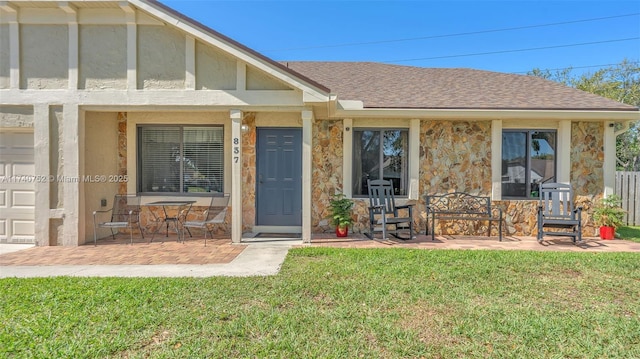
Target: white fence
{"x": 628, "y": 188}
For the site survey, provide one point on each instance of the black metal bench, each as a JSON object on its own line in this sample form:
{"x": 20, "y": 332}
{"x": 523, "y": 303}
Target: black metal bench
{"x": 461, "y": 206}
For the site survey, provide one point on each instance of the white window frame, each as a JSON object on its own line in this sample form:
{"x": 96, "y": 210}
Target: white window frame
{"x": 563, "y": 149}
{"x": 135, "y": 119}
{"x": 180, "y": 128}
{"x": 413, "y": 126}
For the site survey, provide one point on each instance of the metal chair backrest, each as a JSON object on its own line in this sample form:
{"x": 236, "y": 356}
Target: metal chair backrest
{"x": 556, "y": 200}
{"x": 122, "y": 205}
{"x": 217, "y": 208}
{"x": 381, "y": 196}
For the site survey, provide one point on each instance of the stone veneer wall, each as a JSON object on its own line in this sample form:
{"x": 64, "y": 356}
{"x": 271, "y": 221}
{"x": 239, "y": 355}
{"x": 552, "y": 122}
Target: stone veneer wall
{"x": 122, "y": 150}
{"x": 327, "y": 171}
{"x": 249, "y": 172}
{"x": 587, "y": 173}
{"x": 455, "y": 156}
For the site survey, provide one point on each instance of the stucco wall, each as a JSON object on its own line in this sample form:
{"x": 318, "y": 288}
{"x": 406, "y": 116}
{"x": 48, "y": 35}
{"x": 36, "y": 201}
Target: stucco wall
{"x": 103, "y": 57}
{"x": 4, "y": 56}
{"x": 56, "y": 168}
{"x": 101, "y": 142}
{"x": 16, "y": 116}
{"x": 278, "y": 119}
{"x": 214, "y": 69}
{"x": 258, "y": 80}
{"x": 56, "y": 157}
{"x": 161, "y": 58}
{"x": 44, "y": 56}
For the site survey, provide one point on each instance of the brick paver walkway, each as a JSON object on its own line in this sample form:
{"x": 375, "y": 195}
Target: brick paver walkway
{"x": 472, "y": 242}
{"x": 121, "y": 252}
{"x": 221, "y": 251}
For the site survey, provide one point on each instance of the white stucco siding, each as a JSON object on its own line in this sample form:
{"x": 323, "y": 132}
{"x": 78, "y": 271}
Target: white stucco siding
{"x": 161, "y": 58}
{"x": 258, "y": 80}
{"x": 56, "y": 159}
{"x": 103, "y": 57}
{"x": 101, "y": 149}
{"x": 44, "y": 56}
{"x": 4, "y": 56}
{"x": 278, "y": 119}
{"x": 215, "y": 70}
{"x": 16, "y": 116}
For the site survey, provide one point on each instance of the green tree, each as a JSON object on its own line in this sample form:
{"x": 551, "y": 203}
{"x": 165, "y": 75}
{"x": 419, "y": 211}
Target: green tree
{"x": 621, "y": 83}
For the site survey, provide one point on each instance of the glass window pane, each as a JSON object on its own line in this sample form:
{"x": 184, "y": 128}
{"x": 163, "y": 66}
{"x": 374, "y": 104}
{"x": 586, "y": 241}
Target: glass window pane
{"x": 543, "y": 156}
{"x": 160, "y": 159}
{"x": 366, "y": 159}
{"x": 514, "y": 164}
{"x": 203, "y": 159}
{"x": 169, "y": 152}
{"x": 394, "y": 164}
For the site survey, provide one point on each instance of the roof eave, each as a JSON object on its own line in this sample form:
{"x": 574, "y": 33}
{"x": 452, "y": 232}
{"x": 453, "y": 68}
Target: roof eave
{"x": 490, "y": 114}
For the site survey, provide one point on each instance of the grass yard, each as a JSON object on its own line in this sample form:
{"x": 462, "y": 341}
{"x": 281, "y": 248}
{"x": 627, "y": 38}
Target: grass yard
{"x": 630, "y": 233}
{"x": 342, "y": 303}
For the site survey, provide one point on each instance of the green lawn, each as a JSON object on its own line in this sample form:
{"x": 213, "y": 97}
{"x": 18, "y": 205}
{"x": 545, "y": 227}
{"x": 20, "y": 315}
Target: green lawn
{"x": 629, "y": 233}
{"x": 342, "y": 303}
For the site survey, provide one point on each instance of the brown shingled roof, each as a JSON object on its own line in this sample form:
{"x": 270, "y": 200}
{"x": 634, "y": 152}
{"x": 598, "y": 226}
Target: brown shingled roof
{"x": 392, "y": 86}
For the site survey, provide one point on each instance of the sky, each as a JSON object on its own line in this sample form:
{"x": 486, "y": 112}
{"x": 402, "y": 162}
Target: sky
{"x": 505, "y": 36}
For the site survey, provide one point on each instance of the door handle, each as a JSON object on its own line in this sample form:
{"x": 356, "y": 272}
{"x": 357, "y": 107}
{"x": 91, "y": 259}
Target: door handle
{"x": 260, "y": 178}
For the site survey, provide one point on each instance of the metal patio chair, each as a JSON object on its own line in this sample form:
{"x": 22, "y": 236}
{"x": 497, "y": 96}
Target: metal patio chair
{"x": 556, "y": 211}
{"x": 214, "y": 214}
{"x": 384, "y": 212}
{"x": 125, "y": 213}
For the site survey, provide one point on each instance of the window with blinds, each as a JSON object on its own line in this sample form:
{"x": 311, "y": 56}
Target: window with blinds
{"x": 180, "y": 159}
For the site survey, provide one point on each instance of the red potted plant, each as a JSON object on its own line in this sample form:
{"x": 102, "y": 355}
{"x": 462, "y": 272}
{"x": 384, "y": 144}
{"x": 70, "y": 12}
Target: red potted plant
{"x": 341, "y": 214}
{"x": 608, "y": 215}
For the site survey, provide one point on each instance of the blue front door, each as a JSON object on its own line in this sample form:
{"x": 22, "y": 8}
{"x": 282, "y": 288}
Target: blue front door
{"x": 279, "y": 177}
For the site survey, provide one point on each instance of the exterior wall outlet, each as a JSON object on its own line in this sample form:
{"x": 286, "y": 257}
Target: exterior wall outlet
{"x": 103, "y": 202}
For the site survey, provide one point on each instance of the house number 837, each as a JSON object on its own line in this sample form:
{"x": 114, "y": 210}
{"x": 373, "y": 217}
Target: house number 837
{"x": 236, "y": 149}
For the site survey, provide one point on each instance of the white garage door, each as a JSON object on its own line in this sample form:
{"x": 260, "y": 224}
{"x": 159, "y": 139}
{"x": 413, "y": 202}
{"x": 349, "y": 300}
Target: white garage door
{"x": 17, "y": 187}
